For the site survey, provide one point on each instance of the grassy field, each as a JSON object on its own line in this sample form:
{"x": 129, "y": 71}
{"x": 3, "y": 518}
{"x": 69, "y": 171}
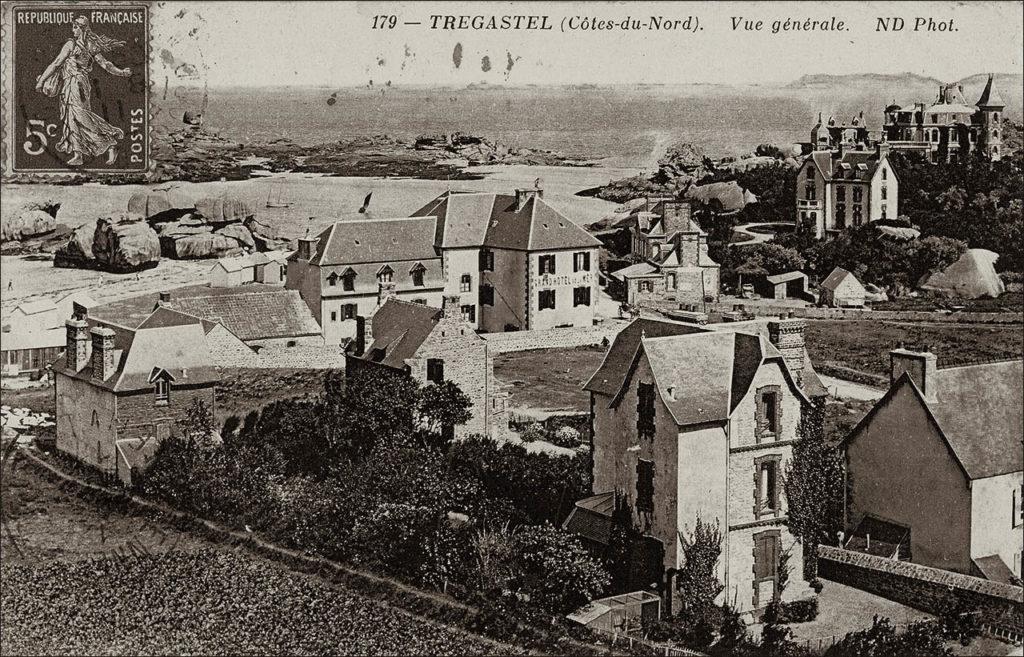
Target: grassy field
{"x": 549, "y": 379}
{"x": 865, "y": 344}
{"x": 80, "y": 577}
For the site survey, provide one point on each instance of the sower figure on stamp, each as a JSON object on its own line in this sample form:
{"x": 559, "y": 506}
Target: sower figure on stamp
{"x": 84, "y": 134}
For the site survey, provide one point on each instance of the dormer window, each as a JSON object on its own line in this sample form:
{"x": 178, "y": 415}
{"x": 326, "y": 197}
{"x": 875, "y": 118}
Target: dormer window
{"x": 332, "y": 280}
{"x": 385, "y": 275}
{"x": 162, "y": 391}
{"x": 417, "y": 274}
{"x": 348, "y": 280}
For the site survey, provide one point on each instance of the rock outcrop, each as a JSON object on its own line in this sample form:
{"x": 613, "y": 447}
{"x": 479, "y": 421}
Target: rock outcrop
{"x": 125, "y": 247}
{"x": 77, "y": 252}
{"x": 34, "y": 229}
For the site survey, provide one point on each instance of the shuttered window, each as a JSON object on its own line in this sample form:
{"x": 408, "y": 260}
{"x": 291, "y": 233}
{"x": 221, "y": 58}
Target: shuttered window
{"x": 645, "y": 486}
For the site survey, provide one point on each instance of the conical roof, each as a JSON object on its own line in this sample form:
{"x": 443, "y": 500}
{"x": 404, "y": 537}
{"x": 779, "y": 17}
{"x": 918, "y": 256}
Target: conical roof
{"x": 990, "y": 97}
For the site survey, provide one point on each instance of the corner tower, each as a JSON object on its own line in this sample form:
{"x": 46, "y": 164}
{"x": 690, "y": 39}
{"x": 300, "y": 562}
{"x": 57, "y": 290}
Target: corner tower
{"x": 991, "y": 105}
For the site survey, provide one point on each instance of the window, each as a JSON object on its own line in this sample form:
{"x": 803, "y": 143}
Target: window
{"x": 546, "y": 299}
{"x": 857, "y": 215}
{"x": 417, "y": 277}
{"x": 767, "y": 487}
{"x": 580, "y": 296}
{"x": 645, "y": 286}
{"x": 885, "y": 192}
{"x": 671, "y": 283}
{"x": 883, "y": 210}
{"x": 768, "y": 411}
{"x": 858, "y": 194}
{"x": 468, "y": 313}
{"x": 385, "y": 275}
{"x": 486, "y": 260}
{"x": 810, "y": 191}
{"x": 334, "y": 315}
{"x": 486, "y": 295}
{"x": 645, "y": 410}
{"x": 292, "y": 343}
{"x": 435, "y": 370}
{"x": 283, "y": 272}
{"x": 162, "y": 391}
{"x": 332, "y": 280}
{"x": 348, "y": 281}
{"x": 580, "y": 261}
{"x": 466, "y": 283}
{"x": 885, "y": 173}
{"x": 1018, "y": 507}
{"x": 546, "y": 263}
{"x": 645, "y": 486}
{"x": 348, "y": 310}
{"x": 840, "y": 193}
{"x": 840, "y": 215}
{"x": 422, "y": 302}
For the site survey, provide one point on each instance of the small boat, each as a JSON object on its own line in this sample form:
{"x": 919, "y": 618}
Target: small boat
{"x": 275, "y": 197}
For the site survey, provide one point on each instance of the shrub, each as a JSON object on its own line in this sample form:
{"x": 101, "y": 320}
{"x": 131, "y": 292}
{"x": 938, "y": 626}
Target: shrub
{"x": 960, "y": 622}
{"x": 881, "y": 640}
{"x": 800, "y": 611}
{"x": 558, "y": 573}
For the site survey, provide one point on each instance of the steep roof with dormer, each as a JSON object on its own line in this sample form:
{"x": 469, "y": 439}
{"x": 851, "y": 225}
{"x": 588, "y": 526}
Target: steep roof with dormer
{"x": 486, "y": 219}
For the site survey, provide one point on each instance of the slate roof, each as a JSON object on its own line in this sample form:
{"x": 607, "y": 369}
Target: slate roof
{"x": 475, "y": 219}
{"x": 837, "y": 276}
{"x": 376, "y": 240}
{"x": 709, "y": 371}
{"x": 638, "y": 270}
{"x": 609, "y": 376}
{"x": 990, "y": 97}
{"x": 253, "y": 314}
{"x": 830, "y": 164}
{"x": 399, "y": 329}
{"x": 979, "y": 411}
{"x": 164, "y": 317}
{"x": 994, "y": 568}
{"x": 591, "y": 518}
{"x": 180, "y": 349}
{"x": 775, "y": 279}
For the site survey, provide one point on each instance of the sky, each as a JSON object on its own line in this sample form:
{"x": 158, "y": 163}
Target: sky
{"x": 335, "y": 44}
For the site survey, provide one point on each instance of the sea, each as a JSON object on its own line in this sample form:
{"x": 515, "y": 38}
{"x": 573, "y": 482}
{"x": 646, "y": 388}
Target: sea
{"x": 616, "y": 127}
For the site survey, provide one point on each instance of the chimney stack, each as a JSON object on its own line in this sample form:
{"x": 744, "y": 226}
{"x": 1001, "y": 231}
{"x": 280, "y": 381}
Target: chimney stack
{"x": 921, "y": 366}
{"x": 450, "y": 307}
{"x": 362, "y": 336}
{"x": 523, "y": 195}
{"x": 77, "y": 345}
{"x": 384, "y": 292}
{"x": 102, "y": 353}
{"x": 307, "y": 247}
{"x": 165, "y": 298}
{"x": 787, "y": 334}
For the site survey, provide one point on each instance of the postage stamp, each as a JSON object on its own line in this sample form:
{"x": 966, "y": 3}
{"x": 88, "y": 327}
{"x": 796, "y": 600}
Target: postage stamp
{"x": 76, "y": 89}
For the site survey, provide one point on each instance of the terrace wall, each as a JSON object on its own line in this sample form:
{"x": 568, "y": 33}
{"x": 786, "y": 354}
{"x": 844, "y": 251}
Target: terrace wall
{"x": 576, "y": 336}
{"x": 929, "y": 589}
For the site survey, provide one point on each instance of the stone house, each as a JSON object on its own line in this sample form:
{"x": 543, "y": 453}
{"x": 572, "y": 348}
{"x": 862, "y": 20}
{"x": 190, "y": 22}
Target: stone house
{"x": 841, "y": 289}
{"x": 937, "y": 464}
{"x": 352, "y": 267}
{"x": 515, "y": 262}
{"x": 676, "y": 265}
{"x": 433, "y": 345}
{"x": 120, "y": 391}
{"x": 695, "y": 423}
{"x": 260, "y": 267}
{"x": 846, "y": 187}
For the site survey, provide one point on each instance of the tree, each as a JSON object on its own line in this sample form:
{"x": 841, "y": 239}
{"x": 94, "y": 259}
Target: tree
{"x": 698, "y": 583}
{"x": 813, "y": 483}
{"x": 375, "y": 405}
{"x": 557, "y": 572}
{"x": 196, "y": 423}
{"x": 881, "y": 640}
{"x": 443, "y": 406}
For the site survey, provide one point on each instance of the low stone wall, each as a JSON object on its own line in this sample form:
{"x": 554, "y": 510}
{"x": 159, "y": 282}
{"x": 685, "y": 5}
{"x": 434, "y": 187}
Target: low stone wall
{"x": 501, "y": 343}
{"x": 929, "y": 589}
{"x": 767, "y": 310}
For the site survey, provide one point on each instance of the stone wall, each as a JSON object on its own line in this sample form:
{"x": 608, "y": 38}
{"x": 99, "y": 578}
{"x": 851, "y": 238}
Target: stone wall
{"x": 773, "y": 310}
{"x": 928, "y": 589}
{"x": 577, "y": 336}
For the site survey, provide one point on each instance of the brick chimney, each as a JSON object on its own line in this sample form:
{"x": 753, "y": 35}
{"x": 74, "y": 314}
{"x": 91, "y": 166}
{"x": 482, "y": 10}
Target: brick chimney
{"x": 363, "y": 336}
{"x": 787, "y": 334}
{"x": 920, "y": 365}
{"x": 77, "y": 346}
{"x": 103, "y": 364}
{"x": 165, "y": 298}
{"x": 523, "y": 195}
{"x": 307, "y": 247}
{"x": 882, "y": 149}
